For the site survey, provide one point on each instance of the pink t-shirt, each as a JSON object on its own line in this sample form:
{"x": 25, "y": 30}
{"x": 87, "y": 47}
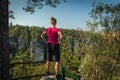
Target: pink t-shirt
{"x": 52, "y": 34}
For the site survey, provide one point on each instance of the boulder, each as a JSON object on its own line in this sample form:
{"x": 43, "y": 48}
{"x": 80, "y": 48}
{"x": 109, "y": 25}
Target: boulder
{"x": 52, "y": 77}
{"x": 48, "y": 78}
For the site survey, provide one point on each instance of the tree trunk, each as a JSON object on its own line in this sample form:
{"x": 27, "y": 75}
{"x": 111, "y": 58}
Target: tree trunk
{"x": 4, "y": 41}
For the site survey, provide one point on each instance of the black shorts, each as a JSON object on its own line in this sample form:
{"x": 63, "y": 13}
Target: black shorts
{"x": 53, "y": 52}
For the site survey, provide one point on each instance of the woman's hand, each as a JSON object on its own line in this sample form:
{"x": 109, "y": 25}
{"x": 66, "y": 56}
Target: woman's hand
{"x": 60, "y": 42}
{"x": 46, "y": 42}
{"x": 60, "y": 36}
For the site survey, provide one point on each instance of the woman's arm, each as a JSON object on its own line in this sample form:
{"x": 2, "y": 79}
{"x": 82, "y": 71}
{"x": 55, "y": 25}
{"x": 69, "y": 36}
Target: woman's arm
{"x": 60, "y": 35}
{"x": 43, "y": 36}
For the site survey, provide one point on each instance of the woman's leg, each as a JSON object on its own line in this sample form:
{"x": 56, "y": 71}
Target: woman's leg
{"x": 47, "y": 66}
{"x": 57, "y": 67}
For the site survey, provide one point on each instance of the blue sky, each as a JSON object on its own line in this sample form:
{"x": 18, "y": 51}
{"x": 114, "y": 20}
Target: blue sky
{"x": 72, "y": 14}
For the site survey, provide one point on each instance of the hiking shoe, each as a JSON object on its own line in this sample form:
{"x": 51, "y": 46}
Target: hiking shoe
{"x": 58, "y": 77}
{"x": 47, "y": 73}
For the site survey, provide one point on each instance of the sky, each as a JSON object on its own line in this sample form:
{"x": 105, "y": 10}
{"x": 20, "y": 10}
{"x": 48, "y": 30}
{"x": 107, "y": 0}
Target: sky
{"x": 72, "y": 14}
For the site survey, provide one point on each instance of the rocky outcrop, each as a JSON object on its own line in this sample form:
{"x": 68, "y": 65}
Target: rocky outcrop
{"x": 52, "y": 77}
{"x": 37, "y": 47}
{"x": 21, "y": 42}
{"x": 48, "y": 78}
{"x": 13, "y": 41}
{"x": 37, "y": 50}
{"x": 13, "y": 44}
{"x": 73, "y": 43}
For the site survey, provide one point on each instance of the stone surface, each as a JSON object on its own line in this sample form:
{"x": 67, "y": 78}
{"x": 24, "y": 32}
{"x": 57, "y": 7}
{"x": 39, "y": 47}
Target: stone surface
{"x": 37, "y": 50}
{"x": 21, "y": 42}
{"x": 48, "y": 78}
{"x": 13, "y": 41}
{"x": 52, "y": 77}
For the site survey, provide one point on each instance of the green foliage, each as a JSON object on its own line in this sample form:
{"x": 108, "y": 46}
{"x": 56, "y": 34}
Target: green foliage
{"x": 98, "y": 59}
{"x": 92, "y": 56}
{"x": 102, "y": 54}
{"x": 107, "y": 15}
{"x": 23, "y": 55}
{"x": 39, "y": 4}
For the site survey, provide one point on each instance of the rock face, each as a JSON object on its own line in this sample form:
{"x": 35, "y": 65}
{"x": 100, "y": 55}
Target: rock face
{"x": 13, "y": 44}
{"x": 76, "y": 42}
{"x": 73, "y": 43}
{"x": 37, "y": 50}
{"x": 70, "y": 43}
{"x": 13, "y": 41}
{"x": 21, "y": 42}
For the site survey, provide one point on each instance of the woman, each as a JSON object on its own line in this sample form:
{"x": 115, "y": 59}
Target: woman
{"x": 53, "y": 49}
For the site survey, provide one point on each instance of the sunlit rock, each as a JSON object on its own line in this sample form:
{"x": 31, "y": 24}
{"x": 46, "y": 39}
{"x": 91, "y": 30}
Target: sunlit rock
{"x": 48, "y": 78}
{"x": 52, "y": 77}
{"x": 37, "y": 50}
